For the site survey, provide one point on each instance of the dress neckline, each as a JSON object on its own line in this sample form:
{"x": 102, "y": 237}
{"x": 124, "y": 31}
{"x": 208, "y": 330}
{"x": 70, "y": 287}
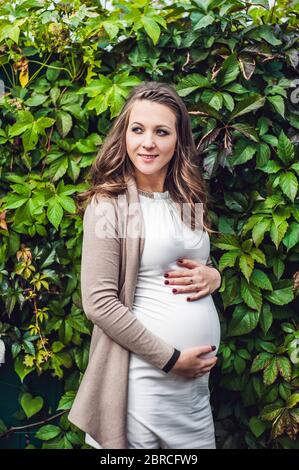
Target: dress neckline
{"x": 153, "y": 194}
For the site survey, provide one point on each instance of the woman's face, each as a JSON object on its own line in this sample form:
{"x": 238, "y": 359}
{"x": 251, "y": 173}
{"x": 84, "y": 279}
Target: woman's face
{"x": 151, "y": 132}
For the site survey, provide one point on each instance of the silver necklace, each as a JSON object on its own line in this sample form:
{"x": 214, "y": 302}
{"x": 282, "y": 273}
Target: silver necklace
{"x": 146, "y": 193}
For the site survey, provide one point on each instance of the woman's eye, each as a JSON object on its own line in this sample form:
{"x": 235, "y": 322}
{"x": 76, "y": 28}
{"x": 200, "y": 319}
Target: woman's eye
{"x": 159, "y": 130}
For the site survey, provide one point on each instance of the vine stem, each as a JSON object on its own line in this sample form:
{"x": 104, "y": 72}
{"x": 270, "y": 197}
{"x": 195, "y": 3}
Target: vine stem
{"x": 37, "y": 72}
{"x": 13, "y": 75}
{"x": 49, "y": 67}
{"x": 17, "y": 428}
{"x": 8, "y": 77}
{"x": 37, "y": 325}
{"x": 272, "y": 11}
{"x": 49, "y": 139}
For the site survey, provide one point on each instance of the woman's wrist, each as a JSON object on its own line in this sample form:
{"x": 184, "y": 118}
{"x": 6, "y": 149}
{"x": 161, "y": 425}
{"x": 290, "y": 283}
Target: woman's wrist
{"x": 216, "y": 279}
{"x": 172, "y": 361}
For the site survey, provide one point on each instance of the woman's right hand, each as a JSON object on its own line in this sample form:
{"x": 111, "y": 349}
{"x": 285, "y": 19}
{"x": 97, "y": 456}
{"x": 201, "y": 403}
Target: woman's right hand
{"x": 192, "y": 364}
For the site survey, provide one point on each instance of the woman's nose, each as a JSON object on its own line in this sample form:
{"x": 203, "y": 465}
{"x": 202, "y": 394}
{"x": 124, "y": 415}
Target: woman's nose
{"x": 148, "y": 144}
{"x": 148, "y": 141}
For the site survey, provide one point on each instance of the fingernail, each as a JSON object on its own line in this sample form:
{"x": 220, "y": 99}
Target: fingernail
{"x": 174, "y": 290}
{"x": 213, "y": 348}
{"x": 165, "y": 275}
{"x": 166, "y": 282}
{"x": 180, "y": 260}
{"x": 188, "y": 298}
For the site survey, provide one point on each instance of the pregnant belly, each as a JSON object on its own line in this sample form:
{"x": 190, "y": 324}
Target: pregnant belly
{"x": 180, "y": 323}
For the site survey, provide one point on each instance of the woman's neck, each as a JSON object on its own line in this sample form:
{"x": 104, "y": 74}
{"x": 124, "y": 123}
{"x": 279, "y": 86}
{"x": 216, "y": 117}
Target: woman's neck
{"x": 150, "y": 186}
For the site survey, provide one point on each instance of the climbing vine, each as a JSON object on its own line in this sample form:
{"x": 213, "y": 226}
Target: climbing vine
{"x": 66, "y": 69}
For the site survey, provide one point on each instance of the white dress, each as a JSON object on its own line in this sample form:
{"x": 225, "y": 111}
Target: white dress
{"x": 164, "y": 409}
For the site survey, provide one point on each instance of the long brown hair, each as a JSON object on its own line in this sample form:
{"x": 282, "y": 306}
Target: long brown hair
{"x": 112, "y": 165}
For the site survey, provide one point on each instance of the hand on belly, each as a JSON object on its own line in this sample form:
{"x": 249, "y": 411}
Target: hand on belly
{"x": 195, "y": 277}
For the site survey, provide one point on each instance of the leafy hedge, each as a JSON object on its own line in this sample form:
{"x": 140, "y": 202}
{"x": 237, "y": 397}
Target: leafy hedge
{"x": 67, "y": 68}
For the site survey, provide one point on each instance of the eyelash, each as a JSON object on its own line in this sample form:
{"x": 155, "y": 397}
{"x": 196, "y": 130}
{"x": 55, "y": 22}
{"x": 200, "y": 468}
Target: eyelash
{"x": 161, "y": 130}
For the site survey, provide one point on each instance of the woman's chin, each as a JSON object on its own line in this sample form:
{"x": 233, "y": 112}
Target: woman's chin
{"x": 147, "y": 171}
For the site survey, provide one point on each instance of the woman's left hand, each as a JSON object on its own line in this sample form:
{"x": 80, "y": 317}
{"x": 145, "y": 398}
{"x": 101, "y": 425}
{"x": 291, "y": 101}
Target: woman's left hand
{"x": 197, "y": 277}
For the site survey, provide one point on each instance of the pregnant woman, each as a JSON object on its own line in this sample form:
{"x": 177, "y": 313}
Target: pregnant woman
{"x": 160, "y": 397}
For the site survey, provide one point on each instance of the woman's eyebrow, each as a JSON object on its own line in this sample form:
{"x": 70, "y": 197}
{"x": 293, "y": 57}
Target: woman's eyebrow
{"x": 159, "y": 125}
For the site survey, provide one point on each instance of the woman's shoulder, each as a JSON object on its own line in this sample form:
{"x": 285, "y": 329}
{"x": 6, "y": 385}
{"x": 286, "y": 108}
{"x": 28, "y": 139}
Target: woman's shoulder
{"x": 100, "y": 199}
{"x": 100, "y": 214}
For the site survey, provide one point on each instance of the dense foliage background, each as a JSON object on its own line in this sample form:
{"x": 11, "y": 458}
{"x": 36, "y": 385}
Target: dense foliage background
{"x": 66, "y": 68}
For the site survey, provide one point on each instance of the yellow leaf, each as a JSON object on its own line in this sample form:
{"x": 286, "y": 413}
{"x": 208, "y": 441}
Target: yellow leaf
{"x": 27, "y": 273}
{"x": 24, "y": 77}
{"x": 45, "y": 284}
{"x": 28, "y": 360}
{"x": 34, "y": 330}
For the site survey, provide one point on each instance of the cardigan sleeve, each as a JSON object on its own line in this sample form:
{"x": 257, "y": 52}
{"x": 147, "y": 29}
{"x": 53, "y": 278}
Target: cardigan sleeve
{"x": 100, "y": 266}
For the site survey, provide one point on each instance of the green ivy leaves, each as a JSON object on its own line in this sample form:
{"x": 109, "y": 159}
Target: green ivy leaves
{"x": 31, "y": 405}
{"x": 192, "y": 82}
{"x": 109, "y": 93}
{"x": 286, "y": 169}
{"x": 76, "y": 71}
{"x": 272, "y": 366}
{"x": 60, "y": 202}
{"x": 21, "y": 369}
{"x": 30, "y": 129}
{"x": 58, "y": 437}
{"x": 48, "y": 432}
{"x": 32, "y": 197}
{"x": 243, "y": 321}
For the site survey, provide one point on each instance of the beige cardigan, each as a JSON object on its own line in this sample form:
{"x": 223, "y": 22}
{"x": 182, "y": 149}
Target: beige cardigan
{"x": 109, "y": 270}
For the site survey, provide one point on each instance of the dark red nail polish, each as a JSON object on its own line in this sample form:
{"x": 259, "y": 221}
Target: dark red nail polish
{"x": 166, "y": 282}
{"x": 188, "y": 298}
{"x": 174, "y": 290}
{"x": 180, "y": 260}
{"x": 165, "y": 275}
{"x": 213, "y": 348}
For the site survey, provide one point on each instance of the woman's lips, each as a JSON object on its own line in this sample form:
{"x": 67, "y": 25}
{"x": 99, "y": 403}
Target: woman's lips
{"x": 148, "y": 158}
